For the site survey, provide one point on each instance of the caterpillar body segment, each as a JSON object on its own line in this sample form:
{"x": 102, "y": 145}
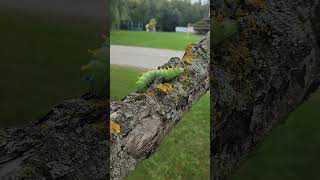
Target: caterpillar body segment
{"x": 167, "y": 74}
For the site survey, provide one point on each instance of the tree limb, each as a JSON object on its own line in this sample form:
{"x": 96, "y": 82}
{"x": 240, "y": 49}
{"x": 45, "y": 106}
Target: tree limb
{"x": 261, "y": 75}
{"x": 70, "y": 142}
{"x": 145, "y": 118}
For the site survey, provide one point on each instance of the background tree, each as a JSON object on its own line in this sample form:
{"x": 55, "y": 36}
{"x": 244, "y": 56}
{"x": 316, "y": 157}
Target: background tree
{"x": 118, "y": 12}
{"x": 168, "y": 13}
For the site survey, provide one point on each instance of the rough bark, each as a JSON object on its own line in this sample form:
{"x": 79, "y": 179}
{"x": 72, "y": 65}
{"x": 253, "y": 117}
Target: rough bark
{"x": 262, "y": 74}
{"x": 70, "y": 142}
{"x": 145, "y": 118}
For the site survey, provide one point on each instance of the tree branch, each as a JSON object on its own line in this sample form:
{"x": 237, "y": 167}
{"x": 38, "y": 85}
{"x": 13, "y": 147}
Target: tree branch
{"x": 145, "y": 118}
{"x": 261, "y": 75}
{"x": 70, "y": 142}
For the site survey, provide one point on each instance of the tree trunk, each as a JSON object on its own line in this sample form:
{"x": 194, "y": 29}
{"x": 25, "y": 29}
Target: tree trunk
{"x": 70, "y": 142}
{"x": 141, "y": 120}
{"x": 262, "y": 74}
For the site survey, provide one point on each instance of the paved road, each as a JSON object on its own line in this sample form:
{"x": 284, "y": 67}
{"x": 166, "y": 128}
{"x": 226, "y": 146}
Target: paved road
{"x": 141, "y": 57}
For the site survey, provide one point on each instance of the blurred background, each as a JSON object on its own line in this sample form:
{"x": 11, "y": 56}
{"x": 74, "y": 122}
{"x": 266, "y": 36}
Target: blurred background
{"x": 43, "y": 45}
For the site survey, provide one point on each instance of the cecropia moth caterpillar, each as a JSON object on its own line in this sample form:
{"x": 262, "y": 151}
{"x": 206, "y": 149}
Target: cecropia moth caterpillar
{"x": 148, "y": 77}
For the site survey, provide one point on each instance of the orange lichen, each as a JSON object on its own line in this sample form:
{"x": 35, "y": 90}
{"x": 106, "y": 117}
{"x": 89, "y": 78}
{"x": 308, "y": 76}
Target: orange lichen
{"x": 188, "y": 48}
{"x": 114, "y": 127}
{"x": 149, "y": 92}
{"x": 188, "y": 57}
{"x": 165, "y": 87}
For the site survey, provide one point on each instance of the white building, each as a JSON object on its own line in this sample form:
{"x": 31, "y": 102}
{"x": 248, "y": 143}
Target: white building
{"x": 189, "y": 29}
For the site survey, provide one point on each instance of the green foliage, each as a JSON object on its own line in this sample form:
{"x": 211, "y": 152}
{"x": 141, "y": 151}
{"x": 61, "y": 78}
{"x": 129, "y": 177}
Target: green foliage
{"x": 169, "y": 14}
{"x": 118, "y": 12}
{"x": 220, "y": 31}
{"x": 166, "y": 74}
{"x": 96, "y": 71}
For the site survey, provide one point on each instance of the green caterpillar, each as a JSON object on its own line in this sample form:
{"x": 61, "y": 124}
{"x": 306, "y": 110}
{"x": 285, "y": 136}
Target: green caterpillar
{"x": 166, "y": 74}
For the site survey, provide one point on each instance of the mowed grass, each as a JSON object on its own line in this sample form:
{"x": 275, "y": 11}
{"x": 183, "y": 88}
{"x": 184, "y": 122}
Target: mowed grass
{"x": 163, "y": 40}
{"x": 185, "y": 152}
{"x": 40, "y": 63}
{"x": 292, "y": 149}
{"x": 122, "y": 80}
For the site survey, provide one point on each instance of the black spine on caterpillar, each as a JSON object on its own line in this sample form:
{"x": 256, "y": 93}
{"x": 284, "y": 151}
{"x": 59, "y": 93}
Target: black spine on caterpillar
{"x": 148, "y": 77}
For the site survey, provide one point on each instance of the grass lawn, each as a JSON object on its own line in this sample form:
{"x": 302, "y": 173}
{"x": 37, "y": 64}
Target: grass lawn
{"x": 185, "y": 152}
{"x": 40, "y": 63}
{"x": 164, "y": 40}
{"x": 291, "y": 151}
{"x": 122, "y": 80}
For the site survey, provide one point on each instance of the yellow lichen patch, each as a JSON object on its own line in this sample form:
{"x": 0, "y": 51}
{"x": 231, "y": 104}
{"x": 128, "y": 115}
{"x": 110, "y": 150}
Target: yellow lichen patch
{"x": 114, "y": 127}
{"x": 188, "y": 48}
{"x": 189, "y": 55}
{"x": 188, "y": 58}
{"x": 165, "y": 87}
{"x": 149, "y": 92}
{"x": 184, "y": 78}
